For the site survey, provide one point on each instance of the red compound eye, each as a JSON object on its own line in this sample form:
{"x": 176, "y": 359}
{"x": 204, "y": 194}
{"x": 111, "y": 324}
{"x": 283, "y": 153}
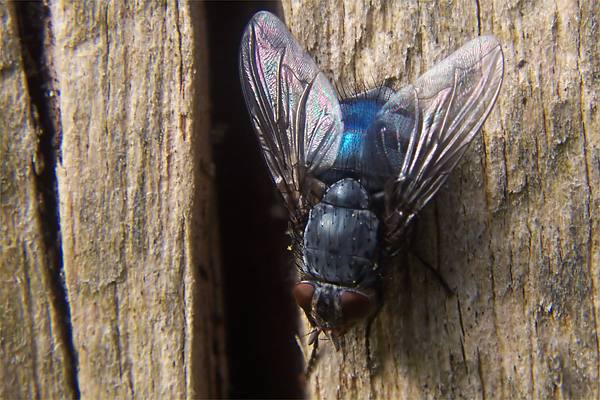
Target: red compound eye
{"x": 303, "y": 293}
{"x": 355, "y": 305}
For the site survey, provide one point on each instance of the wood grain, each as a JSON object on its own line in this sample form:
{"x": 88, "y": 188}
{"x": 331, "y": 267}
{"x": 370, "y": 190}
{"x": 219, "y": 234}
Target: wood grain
{"x": 515, "y": 231}
{"x": 33, "y": 342}
{"x": 110, "y": 258}
{"x": 136, "y": 199}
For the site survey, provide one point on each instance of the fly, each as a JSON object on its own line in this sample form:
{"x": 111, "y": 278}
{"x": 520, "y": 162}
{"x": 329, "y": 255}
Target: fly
{"x": 354, "y": 172}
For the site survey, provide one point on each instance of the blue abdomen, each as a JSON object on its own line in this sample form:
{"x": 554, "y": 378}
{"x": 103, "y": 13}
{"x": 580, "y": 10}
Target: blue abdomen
{"x": 341, "y": 237}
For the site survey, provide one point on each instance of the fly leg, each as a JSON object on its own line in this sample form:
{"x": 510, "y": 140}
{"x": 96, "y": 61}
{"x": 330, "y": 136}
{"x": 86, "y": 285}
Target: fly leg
{"x": 437, "y": 275}
{"x": 314, "y": 355}
{"x": 371, "y": 365}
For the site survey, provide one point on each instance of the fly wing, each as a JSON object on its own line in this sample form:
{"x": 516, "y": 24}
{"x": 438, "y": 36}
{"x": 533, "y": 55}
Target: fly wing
{"x": 294, "y": 108}
{"x": 425, "y": 128}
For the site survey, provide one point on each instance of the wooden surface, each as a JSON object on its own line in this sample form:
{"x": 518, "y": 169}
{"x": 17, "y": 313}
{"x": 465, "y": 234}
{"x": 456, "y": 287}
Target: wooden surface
{"x": 33, "y": 348}
{"x": 515, "y": 231}
{"x": 137, "y": 211}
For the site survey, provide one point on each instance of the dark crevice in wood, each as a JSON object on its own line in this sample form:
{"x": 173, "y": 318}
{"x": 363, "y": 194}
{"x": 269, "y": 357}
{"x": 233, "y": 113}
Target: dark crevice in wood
{"x": 263, "y": 357}
{"x": 207, "y": 373}
{"x": 35, "y": 36}
{"x": 478, "y": 15}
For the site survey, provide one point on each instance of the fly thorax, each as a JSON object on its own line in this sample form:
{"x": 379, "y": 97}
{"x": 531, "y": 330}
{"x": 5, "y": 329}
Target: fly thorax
{"x": 341, "y": 236}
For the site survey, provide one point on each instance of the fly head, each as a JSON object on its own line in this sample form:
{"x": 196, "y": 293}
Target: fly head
{"x": 334, "y": 309}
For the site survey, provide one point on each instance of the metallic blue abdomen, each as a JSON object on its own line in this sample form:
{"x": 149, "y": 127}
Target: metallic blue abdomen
{"x": 340, "y": 238}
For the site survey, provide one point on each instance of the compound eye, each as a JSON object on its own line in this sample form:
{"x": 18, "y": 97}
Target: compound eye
{"x": 355, "y": 305}
{"x": 303, "y": 293}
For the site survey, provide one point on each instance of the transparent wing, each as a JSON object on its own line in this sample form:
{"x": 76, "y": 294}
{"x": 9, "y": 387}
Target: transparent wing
{"x": 293, "y": 107}
{"x": 425, "y": 128}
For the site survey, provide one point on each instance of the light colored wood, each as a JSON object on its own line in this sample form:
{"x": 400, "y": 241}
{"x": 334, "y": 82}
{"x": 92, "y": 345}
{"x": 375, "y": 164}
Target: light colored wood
{"x": 34, "y": 360}
{"x": 515, "y": 231}
{"x": 137, "y": 201}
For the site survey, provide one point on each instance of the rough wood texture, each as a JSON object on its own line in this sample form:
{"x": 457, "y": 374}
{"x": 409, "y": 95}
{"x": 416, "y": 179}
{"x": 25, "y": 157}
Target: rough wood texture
{"x": 516, "y": 230}
{"x": 33, "y": 353}
{"x": 136, "y": 199}
{"x": 137, "y": 211}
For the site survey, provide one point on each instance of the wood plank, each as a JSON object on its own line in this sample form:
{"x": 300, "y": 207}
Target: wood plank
{"x": 34, "y": 348}
{"x": 515, "y": 231}
{"x": 136, "y": 199}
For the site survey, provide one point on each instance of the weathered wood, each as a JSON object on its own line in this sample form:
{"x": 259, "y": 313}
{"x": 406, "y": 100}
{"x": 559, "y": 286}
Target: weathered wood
{"x": 136, "y": 199}
{"x": 516, "y": 230}
{"x": 34, "y": 359}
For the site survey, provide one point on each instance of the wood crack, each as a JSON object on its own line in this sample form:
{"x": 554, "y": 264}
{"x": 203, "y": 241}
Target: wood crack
{"x": 36, "y": 46}
{"x": 478, "y": 15}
